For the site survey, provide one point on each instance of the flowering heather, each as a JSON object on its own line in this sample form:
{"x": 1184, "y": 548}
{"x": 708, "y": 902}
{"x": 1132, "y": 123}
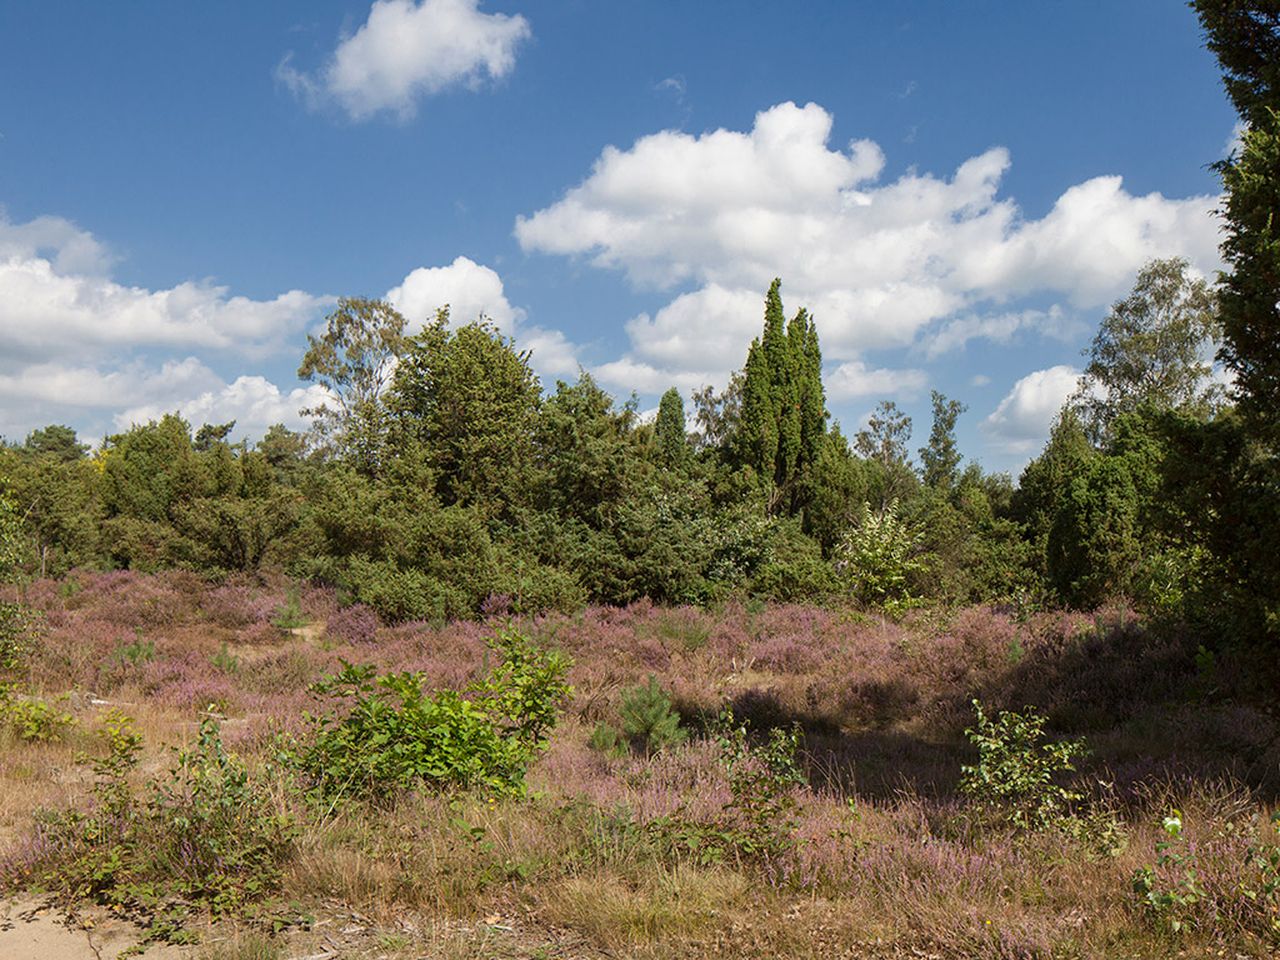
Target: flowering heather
{"x": 354, "y": 624}
{"x": 237, "y": 604}
{"x": 888, "y": 857}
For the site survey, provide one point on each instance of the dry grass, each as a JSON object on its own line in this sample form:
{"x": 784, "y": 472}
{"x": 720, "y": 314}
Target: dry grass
{"x": 889, "y": 861}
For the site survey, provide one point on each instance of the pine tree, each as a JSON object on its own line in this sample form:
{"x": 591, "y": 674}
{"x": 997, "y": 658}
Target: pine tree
{"x": 1245, "y": 37}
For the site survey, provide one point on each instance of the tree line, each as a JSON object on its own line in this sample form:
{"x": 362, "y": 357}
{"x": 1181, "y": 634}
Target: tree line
{"x": 441, "y": 480}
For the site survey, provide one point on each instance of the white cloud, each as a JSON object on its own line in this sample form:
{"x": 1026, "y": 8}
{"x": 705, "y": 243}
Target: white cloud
{"x": 253, "y": 402}
{"x": 880, "y": 264}
{"x": 1235, "y": 142}
{"x": 88, "y": 386}
{"x": 698, "y": 333}
{"x": 472, "y": 290}
{"x": 1020, "y": 423}
{"x": 856, "y": 379}
{"x": 407, "y": 50}
{"x": 56, "y": 299}
{"x": 71, "y": 249}
{"x": 954, "y": 334}
{"x": 466, "y": 287}
{"x": 553, "y": 356}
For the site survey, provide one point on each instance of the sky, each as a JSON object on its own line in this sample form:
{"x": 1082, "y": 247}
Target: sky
{"x": 956, "y": 190}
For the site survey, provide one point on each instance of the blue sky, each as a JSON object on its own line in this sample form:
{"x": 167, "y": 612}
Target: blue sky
{"x": 956, "y": 189}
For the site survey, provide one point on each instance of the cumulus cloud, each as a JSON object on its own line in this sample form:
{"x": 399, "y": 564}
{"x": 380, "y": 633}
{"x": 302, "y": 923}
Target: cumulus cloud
{"x": 407, "y": 50}
{"x": 253, "y": 402}
{"x": 53, "y": 383}
{"x": 58, "y": 300}
{"x": 881, "y": 264}
{"x": 469, "y": 289}
{"x": 472, "y": 290}
{"x": 954, "y": 334}
{"x": 856, "y": 379}
{"x": 1020, "y": 423}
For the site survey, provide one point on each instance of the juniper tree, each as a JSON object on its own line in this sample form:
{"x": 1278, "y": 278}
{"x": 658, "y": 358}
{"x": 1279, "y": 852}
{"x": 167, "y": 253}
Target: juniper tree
{"x": 669, "y": 430}
{"x": 783, "y": 417}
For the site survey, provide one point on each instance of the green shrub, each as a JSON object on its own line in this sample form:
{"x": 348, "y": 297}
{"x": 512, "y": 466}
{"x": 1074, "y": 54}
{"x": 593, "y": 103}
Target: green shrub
{"x": 877, "y": 558}
{"x": 205, "y": 836}
{"x": 1170, "y": 890}
{"x": 760, "y": 819}
{"x": 15, "y": 620}
{"x": 607, "y": 739}
{"x": 1016, "y": 773}
{"x": 289, "y": 615}
{"x": 758, "y": 823}
{"x": 33, "y": 720}
{"x": 394, "y": 736}
{"x": 1172, "y": 895}
{"x": 135, "y": 653}
{"x": 647, "y": 718}
{"x": 224, "y": 660}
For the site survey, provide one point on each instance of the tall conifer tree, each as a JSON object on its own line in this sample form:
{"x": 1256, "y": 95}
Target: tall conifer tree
{"x": 783, "y": 404}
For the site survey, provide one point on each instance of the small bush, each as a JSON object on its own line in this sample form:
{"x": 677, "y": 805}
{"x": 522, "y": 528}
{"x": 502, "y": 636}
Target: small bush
{"x": 205, "y": 836}
{"x": 135, "y": 653}
{"x": 289, "y": 615}
{"x": 356, "y": 624}
{"x": 1016, "y": 772}
{"x": 758, "y": 824}
{"x": 395, "y": 736}
{"x": 608, "y": 739}
{"x": 1170, "y": 890}
{"x": 877, "y": 559}
{"x": 647, "y": 718}
{"x": 31, "y": 719}
{"x": 1176, "y": 895}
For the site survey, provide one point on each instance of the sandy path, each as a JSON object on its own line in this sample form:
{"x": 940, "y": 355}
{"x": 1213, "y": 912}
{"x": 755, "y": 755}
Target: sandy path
{"x": 31, "y": 931}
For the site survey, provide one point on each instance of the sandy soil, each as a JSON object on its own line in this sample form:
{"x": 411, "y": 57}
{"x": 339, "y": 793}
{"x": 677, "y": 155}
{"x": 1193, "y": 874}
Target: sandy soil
{"x": 30, "y": 930}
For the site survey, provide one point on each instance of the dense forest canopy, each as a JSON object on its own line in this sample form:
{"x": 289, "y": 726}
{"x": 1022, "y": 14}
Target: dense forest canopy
{"x": 444, "y": 479}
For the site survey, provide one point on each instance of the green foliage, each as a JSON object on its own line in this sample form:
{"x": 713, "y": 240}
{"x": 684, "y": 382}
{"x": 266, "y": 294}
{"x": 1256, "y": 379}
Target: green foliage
{"x": 1151, "y": 349}
{"x": 1174, "y": 897}
{"x": 202, "y": 835}
{"x": 290, "y": 616}
{"x": 669, "y": 431}
{"x": 607, "y": 739}
{"x": 648, "y": 720}
{"x": 783, "y": 415}
{"x": 1170, "y": 891}
{"x": 221, "y": 843}
{"x": 57, "y": 442}
{"x": 33, "y": 720}
{"x": 471, "y": 400}
{"x": 527, "y": 689}
{"x": 354, "y": 360}
{"x": 1095, "y": 544}
{"x": 391, "y": 545}
{"x": 793, "y": 568}
{"x": 1016, "y": 776}
{"x": 14, "y": 621}
{"x": 760, "y": 817}
{"x": 940, "y": 459}
{"x": 394, "y": 736}
{"x": 757, "y": 825}
{"x": 877, "y": 558}
{"x": 135, "y": 653}
{"x": 225, "y": 661}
